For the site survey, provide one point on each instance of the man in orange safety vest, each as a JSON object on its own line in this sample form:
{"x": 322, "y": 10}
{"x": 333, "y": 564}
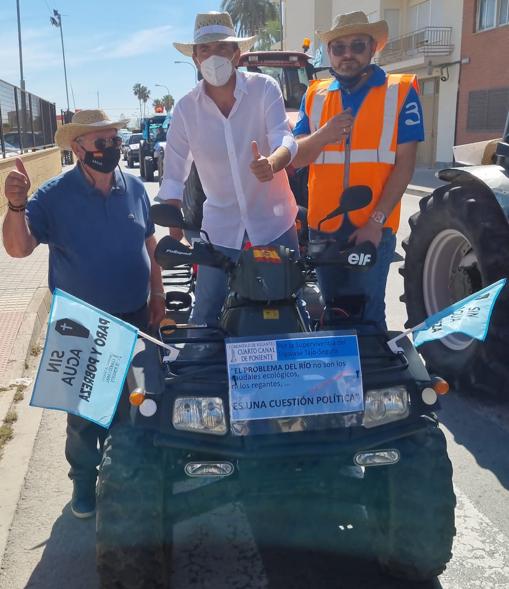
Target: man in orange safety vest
{"x": 360, "y": 127}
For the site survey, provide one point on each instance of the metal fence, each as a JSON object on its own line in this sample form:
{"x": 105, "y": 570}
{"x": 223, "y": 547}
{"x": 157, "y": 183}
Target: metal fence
{"x": 27, "y": 122}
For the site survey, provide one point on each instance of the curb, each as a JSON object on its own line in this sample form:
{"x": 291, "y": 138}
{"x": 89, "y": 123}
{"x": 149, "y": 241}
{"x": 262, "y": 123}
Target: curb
{"x": 17, "y": 454}
{"x": 32, "y": 324}
{"x": 421, "y": 191}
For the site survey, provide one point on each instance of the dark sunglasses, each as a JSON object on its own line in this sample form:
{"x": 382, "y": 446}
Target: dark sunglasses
{"x": 357, "y": 47}
{"x": 101, "y": 144}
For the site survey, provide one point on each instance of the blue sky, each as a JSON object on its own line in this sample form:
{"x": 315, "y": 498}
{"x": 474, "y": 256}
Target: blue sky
{"x": 109, "y": 46}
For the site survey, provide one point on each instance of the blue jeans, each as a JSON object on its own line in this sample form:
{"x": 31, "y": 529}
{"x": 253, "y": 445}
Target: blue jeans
{"x": 212, "y": 283}
{"x": 335, "y": 282}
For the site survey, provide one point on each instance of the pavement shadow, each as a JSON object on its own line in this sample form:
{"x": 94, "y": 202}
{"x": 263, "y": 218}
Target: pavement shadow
{"x": 68, "y": 559}
{"x": 468, "y": 420}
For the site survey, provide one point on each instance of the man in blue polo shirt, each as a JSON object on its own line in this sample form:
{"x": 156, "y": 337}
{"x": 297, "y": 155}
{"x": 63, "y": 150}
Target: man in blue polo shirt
{"x": 360, "y": 128}
{"x": 96, "y": 223}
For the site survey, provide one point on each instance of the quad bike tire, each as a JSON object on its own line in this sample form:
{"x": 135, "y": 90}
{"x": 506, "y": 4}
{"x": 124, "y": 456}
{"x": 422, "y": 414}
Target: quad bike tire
{"x": 412, "y": 504}
{"x": 459, "y": 243}
{"x": 130, "y": 161}
{"x": 141, "y": 159}
{"x": 149, "y": 168}
{"x": 133, "y": 546}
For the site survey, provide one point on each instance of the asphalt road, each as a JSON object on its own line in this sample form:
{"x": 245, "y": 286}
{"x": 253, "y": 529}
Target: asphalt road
{"x": 49, "y": 549}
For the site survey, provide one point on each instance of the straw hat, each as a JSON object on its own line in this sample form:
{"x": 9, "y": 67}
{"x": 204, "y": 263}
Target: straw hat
{"x": 85, "y": 121}
{"x": 356, "y": 23}
{"x": 211, "y": 27}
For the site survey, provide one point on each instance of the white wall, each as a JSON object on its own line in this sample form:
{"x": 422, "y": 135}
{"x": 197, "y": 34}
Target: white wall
{"x": 300, "y": 23}
{"x": 370, "y": 7}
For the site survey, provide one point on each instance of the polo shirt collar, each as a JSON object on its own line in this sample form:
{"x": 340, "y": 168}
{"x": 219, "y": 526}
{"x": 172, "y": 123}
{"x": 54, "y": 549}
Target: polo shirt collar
{"x": 377, "y": 79}
{"x": 79, "y": 177}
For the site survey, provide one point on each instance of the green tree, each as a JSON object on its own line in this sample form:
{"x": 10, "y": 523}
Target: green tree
{"x": 270, "y": 35}
{"x": 250, "y": 16}
{"x": 157, "y": 102}
{"x": 168, "y": 102}
{"x": 144, "y": 96}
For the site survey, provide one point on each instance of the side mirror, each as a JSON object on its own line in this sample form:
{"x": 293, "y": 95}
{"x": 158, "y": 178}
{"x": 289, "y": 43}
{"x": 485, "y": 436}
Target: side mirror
{"x": 169, "y": 216}
{"x": 170, "y": 252}
{"x": 352, "y": 199}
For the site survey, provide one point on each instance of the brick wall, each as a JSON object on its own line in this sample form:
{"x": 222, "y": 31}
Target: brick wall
{"x": 487, "y": 69}
{"x": 41, "y": 166}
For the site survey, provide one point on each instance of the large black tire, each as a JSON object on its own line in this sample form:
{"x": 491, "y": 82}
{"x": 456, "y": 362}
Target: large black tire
{"x": 130, "y": 161}
{"x": 133, "y": 546}
{"x": 160, "y": 167}
{"x": 459, "y": 243}
{"x": 149, "y": 168}
{"x": 141, "y": 159}
{"x": 412, "y": 504}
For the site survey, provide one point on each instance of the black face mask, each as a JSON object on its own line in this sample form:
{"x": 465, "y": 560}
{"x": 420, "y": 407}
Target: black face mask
{"x": 105, "y": 160}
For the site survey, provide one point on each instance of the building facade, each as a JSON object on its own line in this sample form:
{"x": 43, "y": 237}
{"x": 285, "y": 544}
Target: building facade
{"x": 424, "y": 38}
{"x": 483, "y": 101}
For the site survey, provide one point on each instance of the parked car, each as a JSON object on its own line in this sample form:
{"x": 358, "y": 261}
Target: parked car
{"x": 28, "y": 140}
{"x": 132, "y": 149}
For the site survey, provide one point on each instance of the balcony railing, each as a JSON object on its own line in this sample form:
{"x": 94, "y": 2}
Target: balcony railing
{"x": 427, "y": 41}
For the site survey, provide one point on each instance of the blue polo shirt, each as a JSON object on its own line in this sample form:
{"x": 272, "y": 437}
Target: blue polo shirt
{"x": 410, "y": 127}
{"x": 96, "y": 243}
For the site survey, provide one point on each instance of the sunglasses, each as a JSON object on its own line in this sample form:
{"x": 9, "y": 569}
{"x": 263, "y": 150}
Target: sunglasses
{"x": 357, "y": 47}
{"x": 101, "y": 144}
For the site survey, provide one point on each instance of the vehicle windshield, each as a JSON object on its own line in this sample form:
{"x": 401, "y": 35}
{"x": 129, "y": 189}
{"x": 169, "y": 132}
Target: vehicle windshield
{"x": 293, "y": 81}
{"x": 135, "y": 138}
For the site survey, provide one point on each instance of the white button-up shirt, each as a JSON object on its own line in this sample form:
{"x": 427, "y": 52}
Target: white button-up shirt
{"x": 237, "y": 202}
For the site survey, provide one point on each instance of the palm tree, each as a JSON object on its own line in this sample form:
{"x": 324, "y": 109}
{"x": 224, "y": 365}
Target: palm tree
{"x": 144, "y": 96}
{"x": 270, "y": 35}
{"x": 168, "y": 102}
{"x": 157, "y": 103}
{"x": 137, "y": 88}
{"x": 250, "y": 16}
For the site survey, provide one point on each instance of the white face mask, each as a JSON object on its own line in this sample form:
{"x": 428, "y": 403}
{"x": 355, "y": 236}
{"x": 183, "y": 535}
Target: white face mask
{"x": 216, "y": 70}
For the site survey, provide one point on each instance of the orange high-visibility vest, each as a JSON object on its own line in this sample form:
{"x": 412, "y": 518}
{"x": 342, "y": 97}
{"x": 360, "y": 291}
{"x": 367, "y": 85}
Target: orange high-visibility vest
{"x": 373, "y": 140}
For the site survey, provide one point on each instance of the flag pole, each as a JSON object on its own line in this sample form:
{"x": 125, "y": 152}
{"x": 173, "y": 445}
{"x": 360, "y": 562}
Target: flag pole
{"x": 393, "y": 345}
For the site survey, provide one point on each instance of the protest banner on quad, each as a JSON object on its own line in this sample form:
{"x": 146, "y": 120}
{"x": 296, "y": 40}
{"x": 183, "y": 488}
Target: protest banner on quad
{"x": 470, "y": 316}
{"x": 85, "y": 360}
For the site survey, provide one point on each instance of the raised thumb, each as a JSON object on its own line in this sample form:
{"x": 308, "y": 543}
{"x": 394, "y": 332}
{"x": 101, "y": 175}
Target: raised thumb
{"x": 254, "y": 148}
{"x": 21, "y": 167}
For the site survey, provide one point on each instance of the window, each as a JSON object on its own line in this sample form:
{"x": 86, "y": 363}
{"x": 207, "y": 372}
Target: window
{"x": 492, "y": 13}
{"x": 487, "y": 109}
{"x": 391, "y": 16}
{"x": 419, "y": 16}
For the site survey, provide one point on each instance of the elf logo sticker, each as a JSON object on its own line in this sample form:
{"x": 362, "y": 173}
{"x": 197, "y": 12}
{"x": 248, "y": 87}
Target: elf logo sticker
{"x": 359, "y": 259}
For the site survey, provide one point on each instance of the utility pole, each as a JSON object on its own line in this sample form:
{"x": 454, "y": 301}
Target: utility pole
{"x": 22, "y": 79}
{"x": 56, "y": 21}
{"x": 281, "y": 22}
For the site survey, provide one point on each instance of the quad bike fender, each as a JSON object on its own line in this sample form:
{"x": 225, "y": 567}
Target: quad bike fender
{"x": 494, "y": 179}
{"x": 145, "y": 372}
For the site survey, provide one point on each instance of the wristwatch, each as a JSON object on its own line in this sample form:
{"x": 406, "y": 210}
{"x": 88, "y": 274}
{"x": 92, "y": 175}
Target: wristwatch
{"x": 378, "y": 217}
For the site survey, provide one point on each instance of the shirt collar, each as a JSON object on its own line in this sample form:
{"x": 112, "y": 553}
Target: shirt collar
{"x": 79, "y": 177}
{"x": 240, "y": 86}
{"x": 377, "y": 79}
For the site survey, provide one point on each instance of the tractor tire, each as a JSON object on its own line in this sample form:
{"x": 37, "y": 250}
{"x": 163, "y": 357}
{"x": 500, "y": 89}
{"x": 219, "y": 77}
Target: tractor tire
{"x": 133, "y": 546}
{"x": 160, "y": 168}
{"x": 130, "y": 161}
{"x": 412, "y": 504}
{"x": 459, "y": 243}
{"x": 149, "y": 168}
{"x": 141, "y": 159}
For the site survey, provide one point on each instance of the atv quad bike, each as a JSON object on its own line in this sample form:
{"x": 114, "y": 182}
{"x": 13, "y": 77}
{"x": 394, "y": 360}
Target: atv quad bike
{"x": 297, "y": 475}
{"x": 459, "y": 243}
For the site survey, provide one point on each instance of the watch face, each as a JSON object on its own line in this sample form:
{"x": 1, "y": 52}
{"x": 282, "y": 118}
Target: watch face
{"x": 378, "y": 217}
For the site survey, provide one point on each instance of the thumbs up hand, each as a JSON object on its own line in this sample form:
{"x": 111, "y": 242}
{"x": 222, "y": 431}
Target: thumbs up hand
{"x": 261, "y": 166}
{"x": 17, "y": 185}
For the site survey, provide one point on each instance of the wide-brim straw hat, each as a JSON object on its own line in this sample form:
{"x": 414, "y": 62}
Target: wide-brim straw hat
{"x": 356, "y": 23}
{"x": 83, "y": 122}
{"x": 213, "y": 27}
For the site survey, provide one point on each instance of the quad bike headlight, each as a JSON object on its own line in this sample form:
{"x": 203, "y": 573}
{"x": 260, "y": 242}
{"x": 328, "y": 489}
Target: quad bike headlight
{"x": 385, "y": 405}
{"x": 200, "y": 414}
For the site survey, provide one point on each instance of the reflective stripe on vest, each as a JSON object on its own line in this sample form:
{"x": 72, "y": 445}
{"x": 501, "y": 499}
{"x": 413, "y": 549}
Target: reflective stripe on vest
{"x": 383, "y": 154}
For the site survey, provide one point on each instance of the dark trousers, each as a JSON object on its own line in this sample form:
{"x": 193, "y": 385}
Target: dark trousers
{"x": 85, "y": 440}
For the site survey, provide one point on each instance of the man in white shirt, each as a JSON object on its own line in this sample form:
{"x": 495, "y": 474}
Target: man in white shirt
{"x": 225, "y": 124}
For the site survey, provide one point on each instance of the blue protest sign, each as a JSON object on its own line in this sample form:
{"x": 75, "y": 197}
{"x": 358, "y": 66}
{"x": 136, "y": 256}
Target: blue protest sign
{"x": 85, "y": 360}
{"x": 470, "y": 316}
{"x": 294, "y": 375}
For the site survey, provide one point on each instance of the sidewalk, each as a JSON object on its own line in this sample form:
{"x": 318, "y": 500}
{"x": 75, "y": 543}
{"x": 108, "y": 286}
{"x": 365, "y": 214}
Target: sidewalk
{"x": 424, "y": 181}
